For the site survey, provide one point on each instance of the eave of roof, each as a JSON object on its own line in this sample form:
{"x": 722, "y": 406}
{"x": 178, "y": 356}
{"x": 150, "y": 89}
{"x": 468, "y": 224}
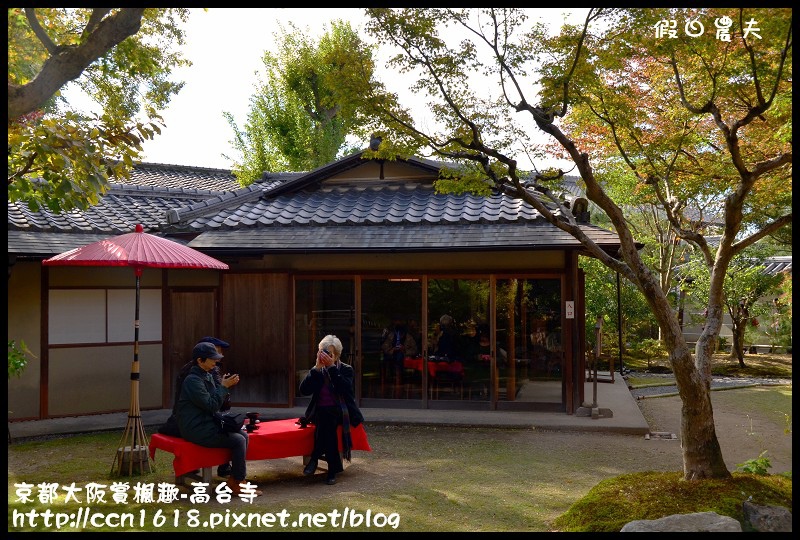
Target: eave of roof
{"x": 38, "y": 244}
{"x": 399, "y": 238}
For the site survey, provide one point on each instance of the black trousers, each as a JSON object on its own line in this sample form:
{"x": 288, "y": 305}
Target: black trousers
{"x": 326, "y": 439}
{"x": 237, "y": 442}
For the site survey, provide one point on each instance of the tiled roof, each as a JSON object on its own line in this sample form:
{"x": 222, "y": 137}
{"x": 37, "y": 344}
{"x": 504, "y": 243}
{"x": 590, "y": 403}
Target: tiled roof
{"x": 404, "y": 204}
{"x": 117, "y": 212}
{"x": 47, "y": 244}
{"x": 286, "y": 210}
{"x": 146, "y": 197}
{"x": 181, "y": 177}
{"x": 778, "y": 264}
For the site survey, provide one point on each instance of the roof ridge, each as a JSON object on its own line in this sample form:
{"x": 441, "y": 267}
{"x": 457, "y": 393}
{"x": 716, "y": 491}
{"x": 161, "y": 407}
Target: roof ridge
{"x": 216, "y": 202}
{"x": 151, "y": 165}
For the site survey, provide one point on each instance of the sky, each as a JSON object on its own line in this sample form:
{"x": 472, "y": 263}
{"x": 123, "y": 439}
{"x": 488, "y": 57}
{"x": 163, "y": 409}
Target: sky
{"x": 225, "y": 47}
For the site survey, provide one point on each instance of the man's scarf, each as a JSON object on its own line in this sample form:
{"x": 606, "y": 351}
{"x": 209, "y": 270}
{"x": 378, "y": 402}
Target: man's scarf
{"x": 347, "y": 438}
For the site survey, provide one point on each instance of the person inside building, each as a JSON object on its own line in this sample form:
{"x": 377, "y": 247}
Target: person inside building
{"x": 416, "y": 333}
{"x": 330, "y": 383}
{"x": 200, "y": 398}
{"x": 446, "y": 344}
{"x": 397, "y": 345}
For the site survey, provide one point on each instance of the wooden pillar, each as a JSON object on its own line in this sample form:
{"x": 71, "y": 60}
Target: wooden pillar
{"x": 580, "y": 318}
{"x": 572, "y": 376}
{"x": 511, "y": 382}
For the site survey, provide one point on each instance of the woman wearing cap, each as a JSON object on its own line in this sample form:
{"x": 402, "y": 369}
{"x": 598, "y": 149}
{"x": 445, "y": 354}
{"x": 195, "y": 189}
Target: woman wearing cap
{"x": 224, "y": 470}
{"x": 217, "y": 371}
{"x": 199, "y": 399}
{"x": 333, "y": 403}
{"x": 170, "y": 427}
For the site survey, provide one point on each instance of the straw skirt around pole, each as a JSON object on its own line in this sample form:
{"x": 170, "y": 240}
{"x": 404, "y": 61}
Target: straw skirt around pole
{"x": 134, "y": 443}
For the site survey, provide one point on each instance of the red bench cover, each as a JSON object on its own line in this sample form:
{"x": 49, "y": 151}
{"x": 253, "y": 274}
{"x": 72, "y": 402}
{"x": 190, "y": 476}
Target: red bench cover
{"x": 273, "y": 439}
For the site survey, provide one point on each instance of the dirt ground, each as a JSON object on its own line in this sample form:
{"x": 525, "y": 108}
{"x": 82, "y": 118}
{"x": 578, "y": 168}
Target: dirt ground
{"x": 743, "y": 435}
{"x": 483, "y": 479}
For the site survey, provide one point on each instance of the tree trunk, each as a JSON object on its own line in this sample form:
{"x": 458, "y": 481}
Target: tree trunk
{"x": 737, "y": 351}
{"x": 702, "y": 455}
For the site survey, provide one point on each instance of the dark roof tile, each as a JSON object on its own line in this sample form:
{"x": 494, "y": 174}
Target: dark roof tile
{"x": 162, "y": 176}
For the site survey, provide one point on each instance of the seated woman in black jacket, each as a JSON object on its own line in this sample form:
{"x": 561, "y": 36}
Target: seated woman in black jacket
{"x": 330, "y": 384}
{"x": 199, "y": 399}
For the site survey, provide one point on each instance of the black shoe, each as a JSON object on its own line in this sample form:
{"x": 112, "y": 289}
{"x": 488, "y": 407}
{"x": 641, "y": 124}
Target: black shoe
{"x": 311, "y": 468}
{"x": 224, "y": 470}
{"x": 330, "y": 480}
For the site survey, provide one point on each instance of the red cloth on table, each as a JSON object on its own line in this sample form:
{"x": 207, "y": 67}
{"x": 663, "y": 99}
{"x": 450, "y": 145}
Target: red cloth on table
{"x": 274, "y": 439}
{"x": 413, "y": 363}
{"x": 434, "y": 368}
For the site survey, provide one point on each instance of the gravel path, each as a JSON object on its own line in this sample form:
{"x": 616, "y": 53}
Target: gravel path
{"x": 717, "y": 383}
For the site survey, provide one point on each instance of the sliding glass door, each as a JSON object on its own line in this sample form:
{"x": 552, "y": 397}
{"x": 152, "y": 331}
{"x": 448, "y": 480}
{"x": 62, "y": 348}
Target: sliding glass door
{"x": 391, "y": 338}
{"x": 530, "y": 357}
{"x": 322, "y": 307}
{"x": 458, "y": 312}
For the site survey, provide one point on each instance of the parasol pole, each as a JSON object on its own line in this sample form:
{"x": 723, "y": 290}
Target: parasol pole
{"x": 135, "y": 250}
{"x": 138, "y": 449}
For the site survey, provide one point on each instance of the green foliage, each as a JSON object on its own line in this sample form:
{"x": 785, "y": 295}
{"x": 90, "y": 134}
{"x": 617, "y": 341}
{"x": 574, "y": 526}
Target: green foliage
{"x": 744, "y": 286}
{"x": 65, "y": 163}
{"x": 648, "y": 348}
{"x": 601, "y": 301}
{"x": 17, "y": 358}
{"x": 60, "y": 157}
{"x": 465, "y": 179}
{"x": 302, "y": 113}
{"x": 759, "y": 465}
{"x": 779, "y": 327}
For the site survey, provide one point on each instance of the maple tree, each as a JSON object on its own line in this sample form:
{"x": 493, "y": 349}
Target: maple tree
{"x": 686, "y": 121}
{"x": 744, "y": 289}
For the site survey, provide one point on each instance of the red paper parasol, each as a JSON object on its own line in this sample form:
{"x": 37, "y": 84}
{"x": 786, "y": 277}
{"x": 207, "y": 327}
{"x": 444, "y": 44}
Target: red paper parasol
{"x": 138, "y": 250}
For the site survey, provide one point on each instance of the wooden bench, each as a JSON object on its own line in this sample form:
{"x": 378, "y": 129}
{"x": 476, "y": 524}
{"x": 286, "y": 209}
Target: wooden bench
{"x": 276, "y": 439}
